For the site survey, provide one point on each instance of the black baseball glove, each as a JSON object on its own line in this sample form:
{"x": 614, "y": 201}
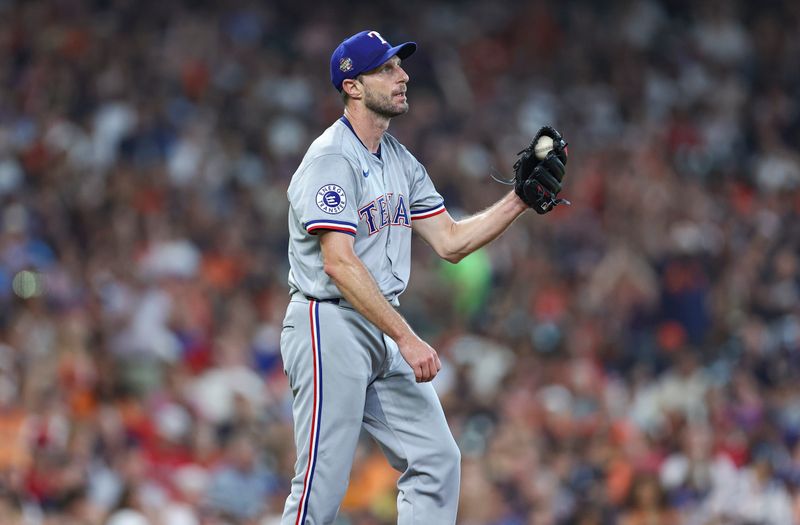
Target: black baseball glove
{"x": 537, "y": 182}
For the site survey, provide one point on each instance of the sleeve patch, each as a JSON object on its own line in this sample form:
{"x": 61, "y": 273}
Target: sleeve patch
{"x": 331, "y": 199}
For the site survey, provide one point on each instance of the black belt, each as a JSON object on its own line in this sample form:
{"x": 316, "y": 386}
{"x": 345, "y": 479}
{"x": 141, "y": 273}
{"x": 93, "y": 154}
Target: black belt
{"x": 341, "y": 302}
{"x": 332, "y": 301}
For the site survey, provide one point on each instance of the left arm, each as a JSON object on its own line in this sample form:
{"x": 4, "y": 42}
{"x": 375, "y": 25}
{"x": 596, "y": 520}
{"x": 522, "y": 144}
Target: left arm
{"x": 454, "y": 240}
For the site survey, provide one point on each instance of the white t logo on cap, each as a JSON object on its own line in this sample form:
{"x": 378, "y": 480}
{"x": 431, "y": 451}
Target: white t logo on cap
{"x": 377, "y": 35}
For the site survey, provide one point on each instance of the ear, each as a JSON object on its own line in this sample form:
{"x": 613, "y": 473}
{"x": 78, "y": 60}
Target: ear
{"x": 353, "y": 87}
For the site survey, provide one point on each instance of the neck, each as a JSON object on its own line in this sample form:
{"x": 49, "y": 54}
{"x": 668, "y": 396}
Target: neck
{"x": 368, "y": 126}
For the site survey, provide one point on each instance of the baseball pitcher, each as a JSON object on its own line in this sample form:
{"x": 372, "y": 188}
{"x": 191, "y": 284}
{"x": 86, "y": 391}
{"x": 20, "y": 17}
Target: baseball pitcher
{"x": 352, "y": 360}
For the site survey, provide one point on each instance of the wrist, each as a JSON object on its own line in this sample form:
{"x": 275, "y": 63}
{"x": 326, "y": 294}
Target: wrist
{"x": 403, "y": 337}
{"x": 519, "y": 205}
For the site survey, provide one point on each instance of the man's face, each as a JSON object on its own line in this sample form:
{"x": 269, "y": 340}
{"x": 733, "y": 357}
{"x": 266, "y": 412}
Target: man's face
{"x": 385, "y": 89}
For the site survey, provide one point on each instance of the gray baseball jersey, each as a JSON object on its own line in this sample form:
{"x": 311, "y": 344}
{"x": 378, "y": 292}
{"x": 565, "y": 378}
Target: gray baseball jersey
{"x": 341, "y": 186}
{"x": 344, "y": 373}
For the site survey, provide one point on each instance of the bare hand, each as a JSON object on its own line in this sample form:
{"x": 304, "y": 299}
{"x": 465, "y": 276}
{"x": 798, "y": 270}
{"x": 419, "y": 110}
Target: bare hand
{"x": 422, "y": 359}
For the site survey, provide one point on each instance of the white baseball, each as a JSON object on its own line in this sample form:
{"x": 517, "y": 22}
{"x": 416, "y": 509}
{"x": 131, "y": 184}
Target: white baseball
{"x": 543, "y": 146}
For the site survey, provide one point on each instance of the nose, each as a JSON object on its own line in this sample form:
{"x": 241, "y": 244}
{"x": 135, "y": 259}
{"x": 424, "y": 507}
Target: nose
{"x": 403, "y": 75}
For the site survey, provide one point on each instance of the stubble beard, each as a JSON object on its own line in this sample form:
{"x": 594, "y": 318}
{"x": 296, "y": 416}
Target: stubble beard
{"x": 383, "y": 105}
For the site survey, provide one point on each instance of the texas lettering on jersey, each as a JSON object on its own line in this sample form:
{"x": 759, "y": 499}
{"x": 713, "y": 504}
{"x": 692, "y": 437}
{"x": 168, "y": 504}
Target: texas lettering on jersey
{"x": 384, "y": 211}
{"x": 341, "y": 186}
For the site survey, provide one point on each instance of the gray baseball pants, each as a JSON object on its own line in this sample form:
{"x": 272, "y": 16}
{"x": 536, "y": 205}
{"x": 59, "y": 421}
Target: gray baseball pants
{"x": 344, "y": 374}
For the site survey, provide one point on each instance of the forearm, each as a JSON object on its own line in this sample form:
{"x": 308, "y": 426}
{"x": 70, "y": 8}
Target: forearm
{"x": 359, "y": 288}
{"x": 467, "y": 235}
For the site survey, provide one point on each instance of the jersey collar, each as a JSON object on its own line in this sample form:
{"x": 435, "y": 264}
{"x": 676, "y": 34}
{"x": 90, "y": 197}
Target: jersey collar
{"x": 347, "y": 123}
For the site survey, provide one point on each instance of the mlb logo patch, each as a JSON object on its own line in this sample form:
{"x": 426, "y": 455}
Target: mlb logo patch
{"x": 331, "y": 199}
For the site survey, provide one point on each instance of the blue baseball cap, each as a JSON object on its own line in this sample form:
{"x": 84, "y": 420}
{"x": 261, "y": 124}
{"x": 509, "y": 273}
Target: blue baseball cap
{"x": 364, "y": 51}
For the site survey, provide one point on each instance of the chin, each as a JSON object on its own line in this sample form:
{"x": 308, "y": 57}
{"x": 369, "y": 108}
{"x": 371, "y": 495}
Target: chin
{"x": 402, "y": 109}
{"x": 394, "y": 112}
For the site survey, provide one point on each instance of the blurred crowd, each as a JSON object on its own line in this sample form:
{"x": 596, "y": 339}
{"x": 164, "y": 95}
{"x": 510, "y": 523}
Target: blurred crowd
{"x": 630, "y": 359}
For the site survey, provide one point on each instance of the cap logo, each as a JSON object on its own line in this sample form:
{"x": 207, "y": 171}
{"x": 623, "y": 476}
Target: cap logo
{"x": 345, "y": 65}
{"x": 375, "y": 34}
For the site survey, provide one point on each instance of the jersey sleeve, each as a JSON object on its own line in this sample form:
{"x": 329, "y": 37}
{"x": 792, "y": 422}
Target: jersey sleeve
{"x": 425, "y": 200}
{"x": 325, "y": 197}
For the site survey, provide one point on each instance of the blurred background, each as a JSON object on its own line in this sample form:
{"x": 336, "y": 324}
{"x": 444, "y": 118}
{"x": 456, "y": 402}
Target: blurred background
{"x": 631, "y": 359}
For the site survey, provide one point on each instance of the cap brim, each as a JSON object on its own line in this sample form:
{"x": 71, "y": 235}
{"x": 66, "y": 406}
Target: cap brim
{"x": 402, "y": 51}
{"x": 405, "y": 50}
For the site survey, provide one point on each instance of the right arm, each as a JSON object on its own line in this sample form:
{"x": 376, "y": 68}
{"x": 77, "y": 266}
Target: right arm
{"x": 359, "y": 288}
